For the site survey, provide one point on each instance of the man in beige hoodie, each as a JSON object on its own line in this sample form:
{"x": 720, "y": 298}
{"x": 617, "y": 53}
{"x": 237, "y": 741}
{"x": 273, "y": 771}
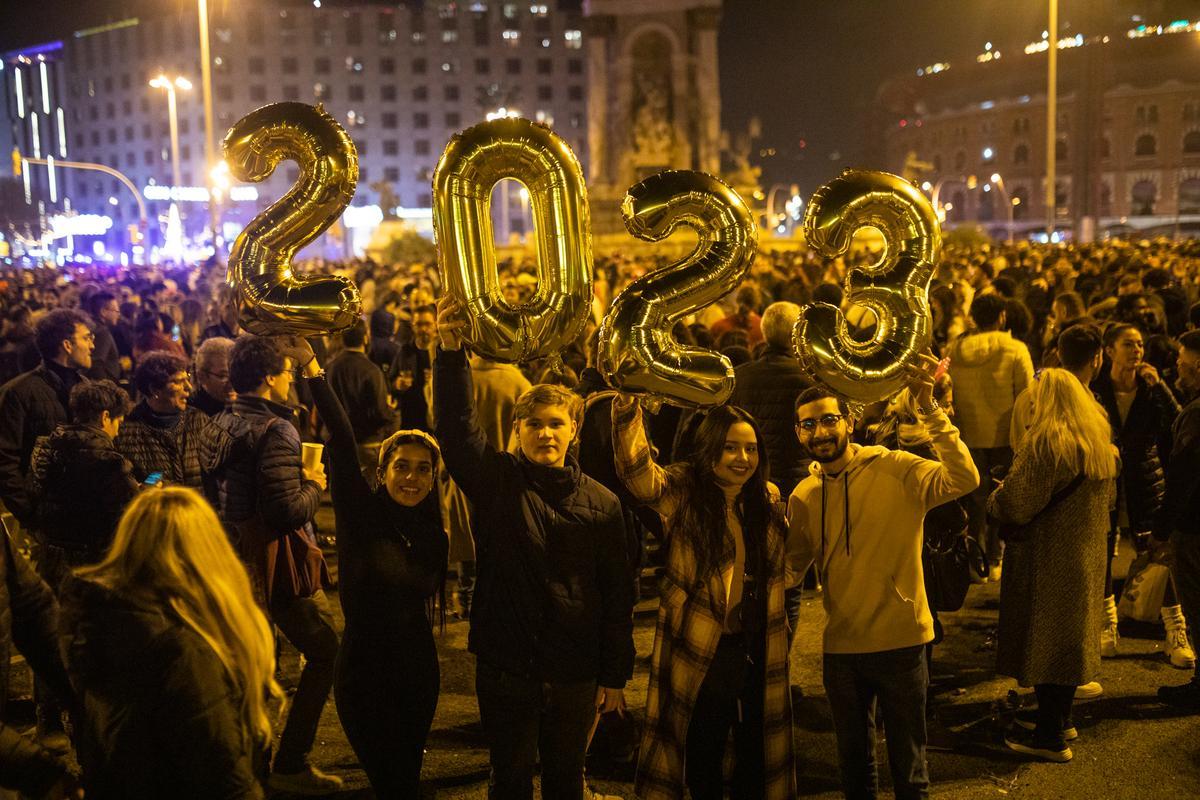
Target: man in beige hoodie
{"x": 991, "y": 369}
{"x": 859, "y": 515}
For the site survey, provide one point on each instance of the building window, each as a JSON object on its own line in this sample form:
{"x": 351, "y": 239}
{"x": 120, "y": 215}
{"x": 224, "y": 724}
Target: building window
{"x": 545, "y": 93}
{"x": 575, "y": 93}
{"x": 420, "y": 93}
{"x": 357, "y": 92}
{"x": 391, "y": 174}
{"x": 539, "y": 9}
{"x": 225, "y": 92}
{"x": 322, "y": 36}
{"x": 290, "y": 66}
{"x": 418, "y": 37}
{"x": 387, "y": 93}
{"x": 354, "y": 33}
{"x": 510, "y": 10}
{"x": 424, "y": 200}
{"x": 575, "y": 66}
{"x": 420, "y": 120}
{"x": 391, "y": 147}
{"x": 321, "y": 66}
{"x": 258, "y": 93}
{"x": 361, "y": 147}
{"x": 483, "y": 66}
{"x": 389, "y": 121}
{"x": 450, "y": 93}
{"x": 512, "y": 38}
{"x": 420, "y": 66}
{"x": 1143, "y": 198}
{"x": 421, "y": 147}
{"x": 1189, "y": 196}
{"x": 387, "y": 66}
{"x": 147, "y": 132}
{"x": 291, "y": 92}
{"x": 449, "y": 37}
{"x": 544, "y": 66}
{"x": 513, "y": 66}
{"x": 257, "y": 65}
{"x": 321, "y": 91}
{"x": 112, "y": 135}
{"x": 1191, "y": 143}
{"x": 1146, "y": 145}
{"x": 574, "y": 39}
{"x": 453, "y": 119}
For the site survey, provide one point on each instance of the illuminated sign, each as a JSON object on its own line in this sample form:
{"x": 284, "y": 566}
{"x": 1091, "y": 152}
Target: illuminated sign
{"x": 62, "y": 226}
{"x": 196, "y": 194}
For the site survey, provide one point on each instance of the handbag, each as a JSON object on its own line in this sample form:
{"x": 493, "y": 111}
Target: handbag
{"x": 1014, "y": 532}
{"x": 1143, "y": 594}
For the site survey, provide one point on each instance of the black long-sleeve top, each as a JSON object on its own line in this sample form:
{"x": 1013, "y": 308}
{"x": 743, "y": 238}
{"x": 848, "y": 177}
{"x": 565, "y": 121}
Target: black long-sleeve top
{"x": 554, "y": 592}
{"x": 390, "y": 557}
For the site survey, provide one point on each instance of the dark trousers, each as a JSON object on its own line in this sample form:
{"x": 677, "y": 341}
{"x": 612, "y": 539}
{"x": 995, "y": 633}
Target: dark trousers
{"x": 1054, "y": 712}
{"x": 730, "y": 699}
{"x": 524, "y": 718}
{"x": 1186, "y": 570}
{"x": 976, "y": 502}
{"x": 898, "y": 681}
{"x": 308, "y": 625}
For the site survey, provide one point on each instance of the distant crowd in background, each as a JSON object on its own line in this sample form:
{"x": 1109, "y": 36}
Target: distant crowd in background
{"x": 137, "y": 420}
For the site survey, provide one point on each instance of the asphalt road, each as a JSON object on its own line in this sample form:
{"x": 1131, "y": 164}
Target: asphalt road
{"x": 1130, "y": 746}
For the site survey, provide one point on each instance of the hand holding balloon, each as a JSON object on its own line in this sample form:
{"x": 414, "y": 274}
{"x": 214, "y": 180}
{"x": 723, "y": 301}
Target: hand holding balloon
{"x": 895, "y": 290}
{"x": 270, "y": 298}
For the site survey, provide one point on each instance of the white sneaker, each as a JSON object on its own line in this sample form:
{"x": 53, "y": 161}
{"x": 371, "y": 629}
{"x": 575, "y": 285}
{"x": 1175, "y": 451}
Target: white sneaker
{"x": 1109, "y": 639}
{"x": 1179, "y": 651}
{"x": 994, "y": 573}
{"x": 309, "y": 781}
{"x": 1088, "y": 691}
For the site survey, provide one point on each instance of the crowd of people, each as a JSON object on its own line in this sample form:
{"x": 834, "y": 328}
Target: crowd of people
{"x": 166, "y": 469}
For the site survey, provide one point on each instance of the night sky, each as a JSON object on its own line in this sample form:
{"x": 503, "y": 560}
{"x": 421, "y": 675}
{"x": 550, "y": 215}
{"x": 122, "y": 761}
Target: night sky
{"x": 808, "y": 69}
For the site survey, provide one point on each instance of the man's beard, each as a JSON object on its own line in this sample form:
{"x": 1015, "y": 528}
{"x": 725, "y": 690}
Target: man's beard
{"x": 840, "y": 445}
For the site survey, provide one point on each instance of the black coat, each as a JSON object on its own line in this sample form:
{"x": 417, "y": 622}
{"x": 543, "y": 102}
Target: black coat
{"x": 767, "y": 388}
{"x": 1181, "y": 503}
{"x": 159, "y": 715}
{"x": 359, "y": 385}
{"x": 80, "y": 486}
{"x": 31, "y": 405}
{"x": 106, "y": 359}
{"x": 174, "y": 451}
{"x": 1145, "y": 444}
{"x": 554, "y": 592}
{"x": 28, "y": 620}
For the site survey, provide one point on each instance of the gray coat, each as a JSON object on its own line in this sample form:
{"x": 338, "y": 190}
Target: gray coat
{"x": 1051, "y": 598}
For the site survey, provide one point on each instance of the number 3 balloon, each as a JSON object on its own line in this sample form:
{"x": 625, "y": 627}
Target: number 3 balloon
{"x": 472, "y": 164}
{"x": 896, "y": 289}
{"x": 270, "y": 298}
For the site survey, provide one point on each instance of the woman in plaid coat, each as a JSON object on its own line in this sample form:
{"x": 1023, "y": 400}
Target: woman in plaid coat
{"x": 720, "y": 662}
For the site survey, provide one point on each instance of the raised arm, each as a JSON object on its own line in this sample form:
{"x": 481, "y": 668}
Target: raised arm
{"x": 953, "y": 474}
{"x": 650, "y": 484}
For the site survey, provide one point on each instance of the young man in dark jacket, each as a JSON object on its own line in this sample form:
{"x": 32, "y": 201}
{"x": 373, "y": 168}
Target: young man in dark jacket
{"x": 34, "y": 404}
{"x": 163, "y": 433}
{"x": 552, "y": 619}
{"x": 267, "y": 500}
{"x": 362, "y": 391}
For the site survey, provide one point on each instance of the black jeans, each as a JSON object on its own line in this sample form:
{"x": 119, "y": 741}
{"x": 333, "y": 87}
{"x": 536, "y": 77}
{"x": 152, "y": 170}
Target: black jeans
{"x": 730, "y": 698}
{"x": 898, "y": 680}
{"x": 308, "y": 625}
{"x": 1186, "y": 570}
{"x": 986, "y": 534}
{"x": 1054, "y": 712}
{"x": 524, "y": 718}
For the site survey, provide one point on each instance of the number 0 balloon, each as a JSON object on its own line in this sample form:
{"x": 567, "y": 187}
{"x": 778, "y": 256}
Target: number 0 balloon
{"x": 270, "y": 298}
{"x": 472, "y": 164}
{"x": 896, "y": 289}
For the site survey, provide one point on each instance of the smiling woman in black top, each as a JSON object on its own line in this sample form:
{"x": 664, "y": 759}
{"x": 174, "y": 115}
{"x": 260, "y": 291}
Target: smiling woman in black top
{"x": 392, "y": 552}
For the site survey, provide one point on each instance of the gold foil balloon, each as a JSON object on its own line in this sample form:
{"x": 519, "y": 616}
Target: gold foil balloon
{"x": 473, "y": 162}
{"x": 896, "y": 289}
{"x": 637, "y": 352}
{"x": 271, "y": 300}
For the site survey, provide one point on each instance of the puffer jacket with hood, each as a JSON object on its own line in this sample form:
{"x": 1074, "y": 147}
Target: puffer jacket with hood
{"x": 990, "y": 369}
{"x": 159, "y": 716}
{"x": 864, "y": 528}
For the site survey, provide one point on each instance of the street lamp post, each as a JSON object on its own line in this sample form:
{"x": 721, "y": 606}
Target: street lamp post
{"x": 210, "y": 155}
{"x": 998, "y": 181}
{"x": 163, "y": 82}
{"x": 1052, "y": 122}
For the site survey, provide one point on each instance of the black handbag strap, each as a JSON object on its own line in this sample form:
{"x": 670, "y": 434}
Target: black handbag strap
{"x": 1060, "y": 495}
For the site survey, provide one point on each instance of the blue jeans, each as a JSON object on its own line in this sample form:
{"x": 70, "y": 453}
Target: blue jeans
{"x": 897, "y": 680}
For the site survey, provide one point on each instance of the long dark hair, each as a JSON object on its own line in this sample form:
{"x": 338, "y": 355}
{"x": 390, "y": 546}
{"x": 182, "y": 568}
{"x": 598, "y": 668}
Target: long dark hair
{"x": 701, "y": 514}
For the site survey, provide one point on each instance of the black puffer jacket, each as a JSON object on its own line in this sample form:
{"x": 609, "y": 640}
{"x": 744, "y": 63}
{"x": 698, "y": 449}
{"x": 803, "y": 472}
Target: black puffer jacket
{"x": 1145, "y": 444}
{"x": 554, "y": 593}
{"x": 29, "y": 620}
{"x": 173, "y": 451}
{"x": 80, "y": 486}
{"x": 256, "y": 467}
{"x": 767, "y": 388}
{"x": 31, "y": 405}
{"x": 159, "y": 715}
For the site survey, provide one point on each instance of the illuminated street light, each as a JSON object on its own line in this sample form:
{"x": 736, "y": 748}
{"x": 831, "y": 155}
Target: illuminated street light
{"x": 170, "y": 85}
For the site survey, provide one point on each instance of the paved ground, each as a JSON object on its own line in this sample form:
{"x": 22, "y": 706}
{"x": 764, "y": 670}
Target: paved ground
{"x": 1130, "y": 746}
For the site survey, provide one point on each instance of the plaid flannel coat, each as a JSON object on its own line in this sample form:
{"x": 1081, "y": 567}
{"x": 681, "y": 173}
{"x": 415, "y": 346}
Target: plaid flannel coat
{"x": 690, "y": 621}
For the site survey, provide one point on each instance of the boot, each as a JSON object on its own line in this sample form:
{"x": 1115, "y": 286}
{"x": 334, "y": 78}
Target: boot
{"x": 1177, "y": 648}
{"x": 1109, "y": 639}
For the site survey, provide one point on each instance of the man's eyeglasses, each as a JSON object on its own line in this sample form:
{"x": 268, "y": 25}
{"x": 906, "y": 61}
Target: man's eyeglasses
{"x": 826, "y": 421}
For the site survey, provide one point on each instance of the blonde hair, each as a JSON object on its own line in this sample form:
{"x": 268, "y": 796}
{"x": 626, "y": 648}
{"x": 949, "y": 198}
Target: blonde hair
{"x": 170, "y": 550}
{"x": 1069, "y": 427}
